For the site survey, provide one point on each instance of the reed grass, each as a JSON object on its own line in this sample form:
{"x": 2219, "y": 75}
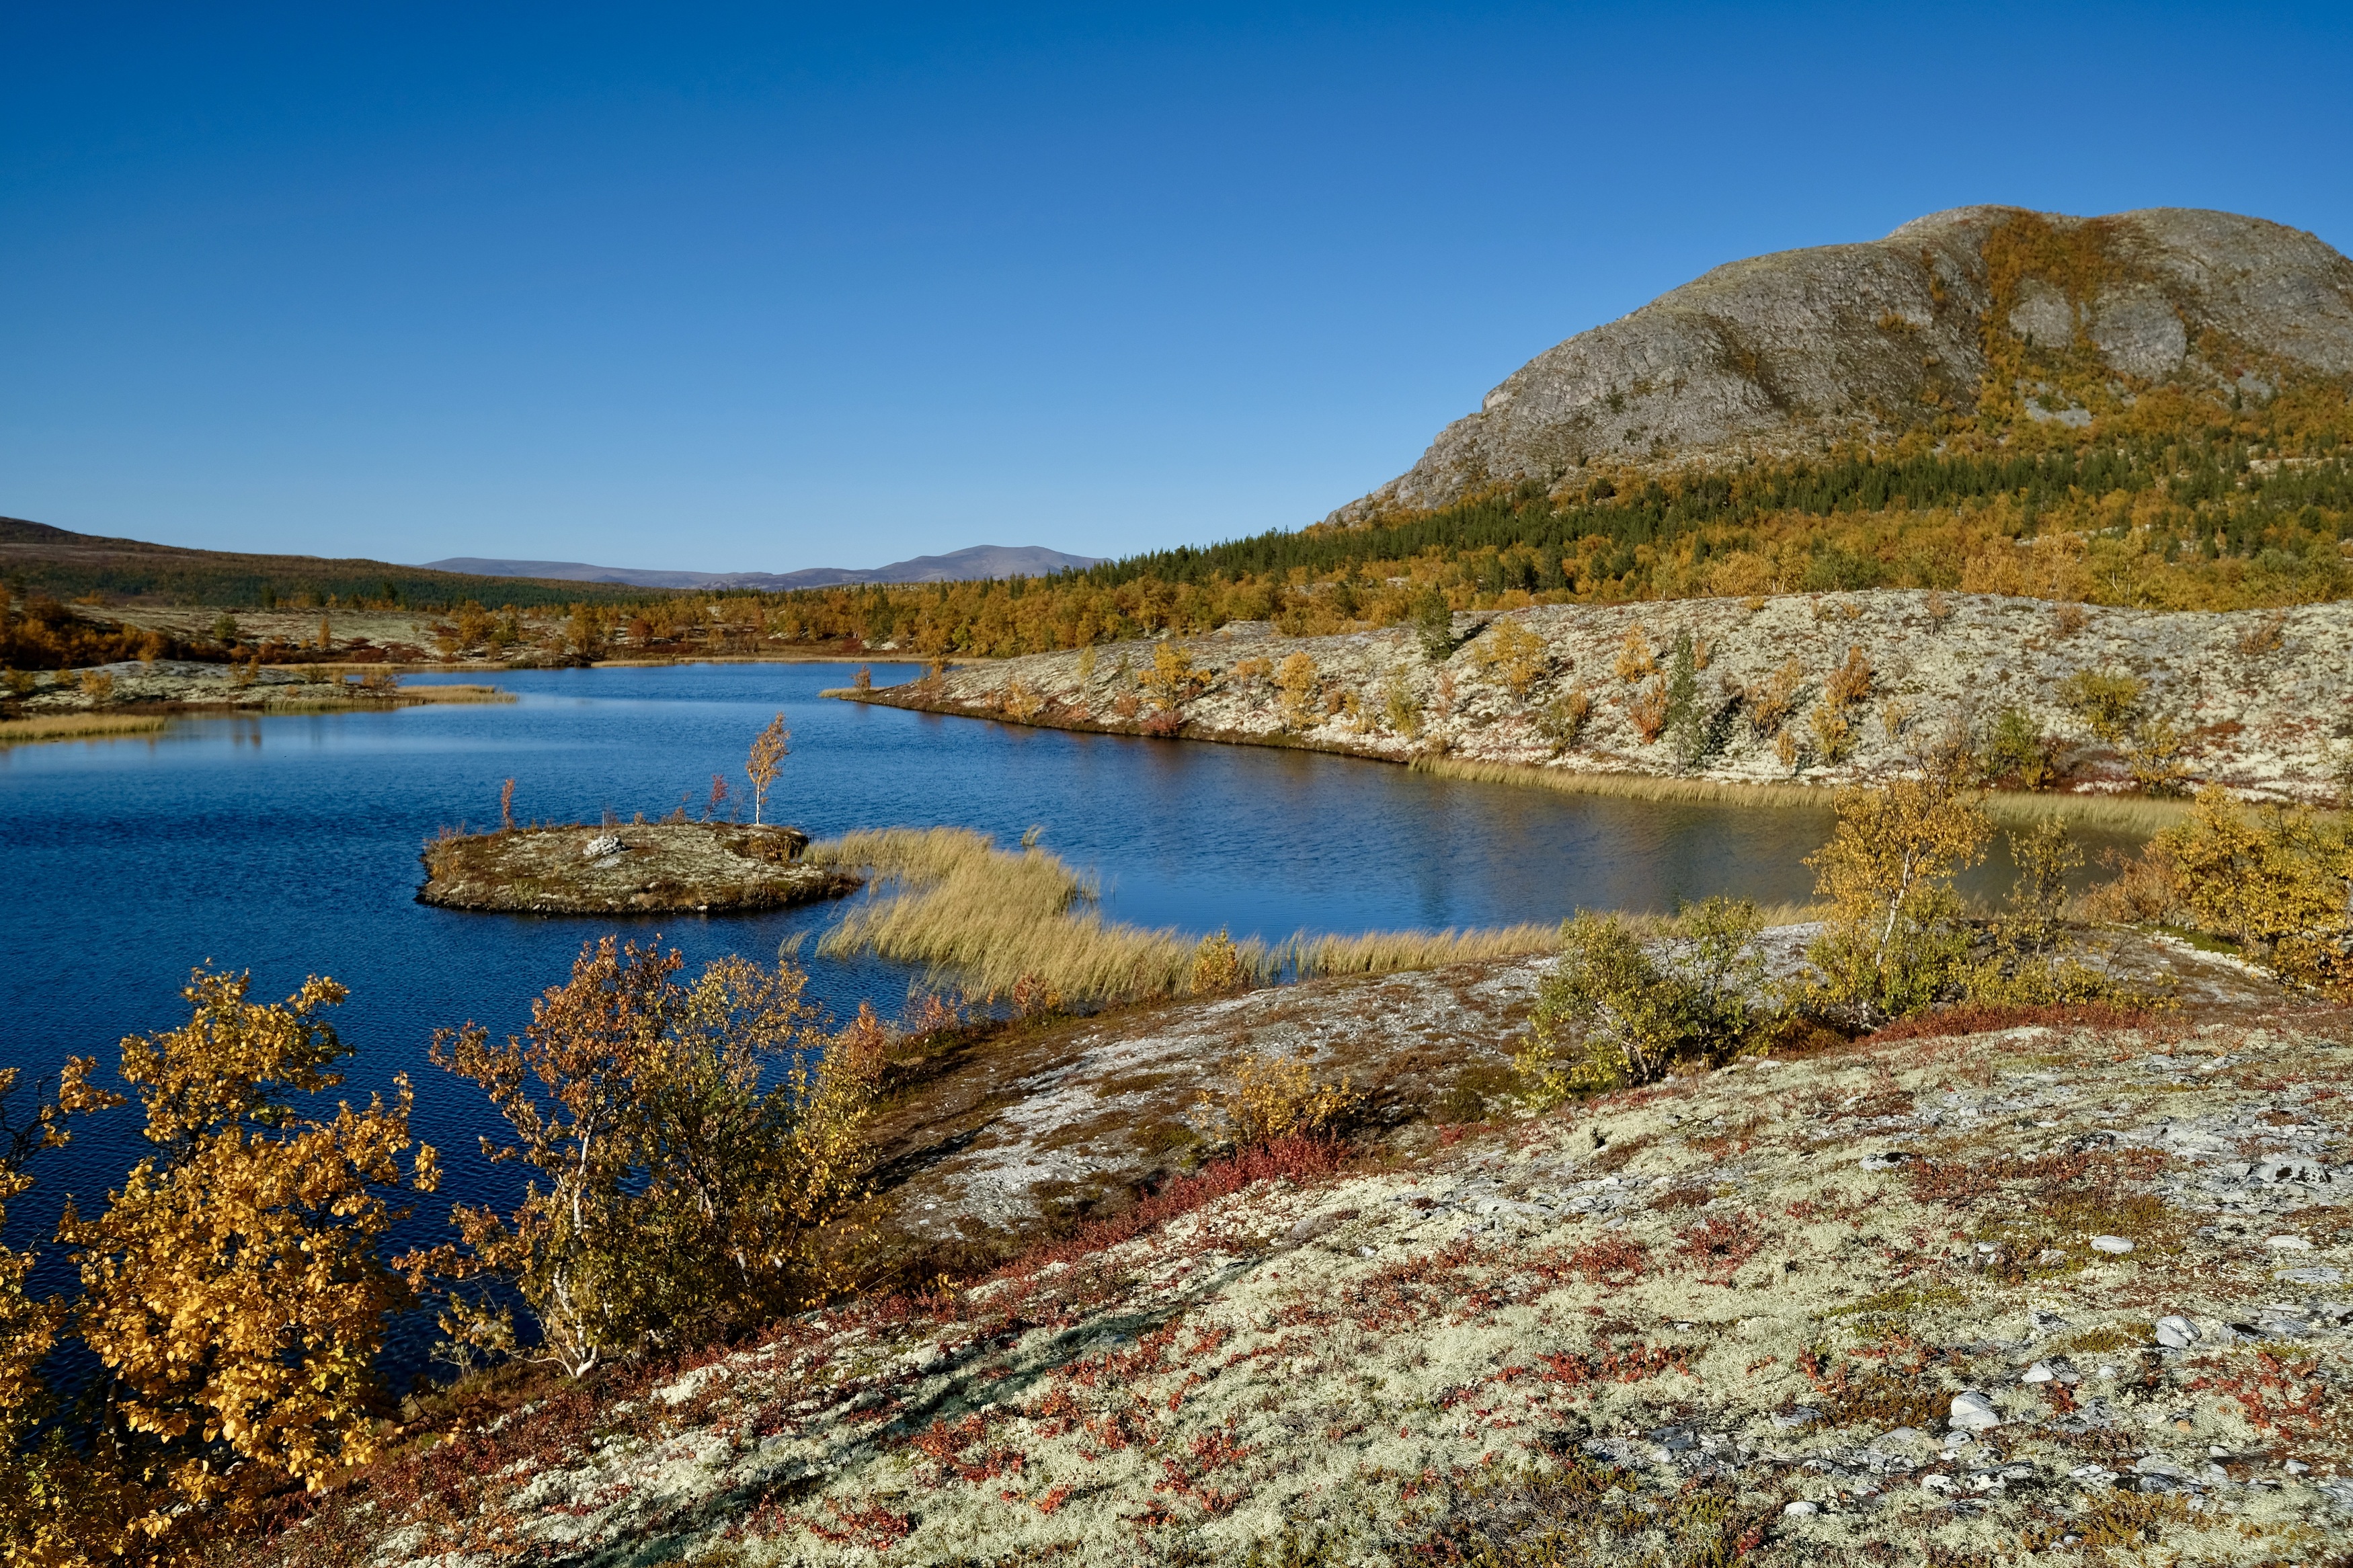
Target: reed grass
{"x": 948, "y": 898}
{"x": 2140, "y": 815}
{"x": 76, "y": 727}
{"x": 453, "y": 694}
{"x": 1392, "y": 952}
{"x": 990, "y": 919}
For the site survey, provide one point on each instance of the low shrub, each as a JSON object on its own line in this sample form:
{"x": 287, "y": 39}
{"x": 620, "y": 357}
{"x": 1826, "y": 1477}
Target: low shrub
{"x": 1891, "y": 946}
{"x": 2108, "y": 702}
{"x": 1613, "y": 1013}
{"x": 2017, "y": 752}
{"x": 1271, "y": 1097}
{"x": 1563, "y": 720}
{"x": 2274, "y": 880}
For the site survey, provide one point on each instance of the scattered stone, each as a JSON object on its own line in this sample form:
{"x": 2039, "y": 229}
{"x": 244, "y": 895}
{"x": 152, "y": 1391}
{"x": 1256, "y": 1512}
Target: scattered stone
{"x": 1799, "y": 1509}
{"x": 1973, "y": 1412}
{"x": 1884, "y": 1161}
{"x": 2115, "y": 1244}
{"x": 2311, "y": 1276}
{"x": 2310, "y": 1171}
{"x": 2175, "y": 1333}
{"x": 597, "y": 848}
{"x": 2287, "y": 1244}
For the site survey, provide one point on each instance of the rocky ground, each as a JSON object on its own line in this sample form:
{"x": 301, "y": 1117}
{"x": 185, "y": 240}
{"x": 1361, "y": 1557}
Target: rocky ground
{"x": 996, "y": 1133}
{"x": 2044, "y": 1292}
{"x": 2258, "y": 701}
{"x": 711, "y": 867}
{"x": 169, "y": 684}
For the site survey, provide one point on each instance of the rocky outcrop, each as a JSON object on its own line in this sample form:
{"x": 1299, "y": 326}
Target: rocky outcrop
{"x": 1778, "y": 352}
{"x": 711, "y": 867}
{"x": 2253, "y": 700}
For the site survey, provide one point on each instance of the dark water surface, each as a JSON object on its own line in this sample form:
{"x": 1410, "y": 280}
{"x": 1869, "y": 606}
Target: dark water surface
{"x": 289, "y": 845}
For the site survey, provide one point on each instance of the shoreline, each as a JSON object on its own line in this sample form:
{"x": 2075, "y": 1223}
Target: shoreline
{"x": 2126, "y": 813}
{"x": 153, "y": 716}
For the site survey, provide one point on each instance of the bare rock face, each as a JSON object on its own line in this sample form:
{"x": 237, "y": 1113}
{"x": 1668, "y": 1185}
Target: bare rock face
{"x": 1775, "y": 352}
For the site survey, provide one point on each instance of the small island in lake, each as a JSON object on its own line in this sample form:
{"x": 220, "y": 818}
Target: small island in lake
{"x": 711, "y": 867}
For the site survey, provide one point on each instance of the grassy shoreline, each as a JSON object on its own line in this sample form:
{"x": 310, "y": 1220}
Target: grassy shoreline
{"x": 2123, "y": 814}
{"x": 76, "y": 727}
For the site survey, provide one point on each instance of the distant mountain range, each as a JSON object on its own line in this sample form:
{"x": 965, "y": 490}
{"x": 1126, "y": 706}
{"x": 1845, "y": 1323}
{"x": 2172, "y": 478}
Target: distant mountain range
{"x": 956, "y": 566}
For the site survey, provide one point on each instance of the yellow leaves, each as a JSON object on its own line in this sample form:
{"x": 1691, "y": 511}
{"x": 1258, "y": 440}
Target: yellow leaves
{"x": 1636, "y": 658}
{"x": 1833, "y": 731}
{"x": 233, "y": 1060}
{"x": 766, "y": 759}
{"x": 681, "y": 1197}
{"x": 1647, "y": 712}
{"x": 1218, "y": 966}
{"x": 1851, "y": 682}
{"x": 1771, "y": 704}
{"x": 1274, "y": 1096}
{"x": 1887, "y": 871}
{"x": 2108, "y": 701}
{"x": 1023, "y": 701}
{"x": 1512, "y": 653}
{"x": 234, "y": 1290}
{"x": 1296, "y": 683}
{"x": 2274, "y": 881}
{"x": 1171, "y": 679}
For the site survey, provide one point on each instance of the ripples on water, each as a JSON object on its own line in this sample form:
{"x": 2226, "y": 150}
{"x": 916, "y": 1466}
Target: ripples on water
{"x": 289, "y": 845}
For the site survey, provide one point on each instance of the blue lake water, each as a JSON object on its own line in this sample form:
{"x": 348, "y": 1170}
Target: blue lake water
{"x": 289, "y": 845}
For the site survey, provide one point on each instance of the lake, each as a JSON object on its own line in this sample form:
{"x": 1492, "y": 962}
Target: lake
{"x": 289, "y": 845}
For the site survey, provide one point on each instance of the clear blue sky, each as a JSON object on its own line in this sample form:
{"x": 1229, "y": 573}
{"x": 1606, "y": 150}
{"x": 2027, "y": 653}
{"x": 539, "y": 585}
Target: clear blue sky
{"x": 769, "y": 288}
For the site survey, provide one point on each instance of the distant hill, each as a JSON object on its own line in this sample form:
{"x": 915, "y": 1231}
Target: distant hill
{"x": 38, "y": 560}
{"x": 1992, "y": 316}
{"x": 977, "y": 562}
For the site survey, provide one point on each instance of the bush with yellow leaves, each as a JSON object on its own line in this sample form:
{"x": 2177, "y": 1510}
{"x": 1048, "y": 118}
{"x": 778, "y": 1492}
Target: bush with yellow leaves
{"x": 683, "y": 1199}
{"x": 2025, "y": 963}
{"x": 1172, "y": 680}
{"x": 1218, "y": 966}
{"x": 1891, "y": 946}
{"x": 1273, "y": 1097}
{"x": 2106, "y": 702}
{"x": 2274, "y": 881}
{"x": 1772, "y": 702}
{"x": 1636, "y": 658}
{"x": 1295, "y": 683}
{"x": 232, "y": 1294}
{"x": 1512, "y": 654}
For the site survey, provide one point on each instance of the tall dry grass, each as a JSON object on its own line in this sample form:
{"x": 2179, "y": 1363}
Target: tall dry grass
{"x": 1393, "y": 952}
{"x": 986, "y": 920}
{"x": 948, "y": 898}
{"x": 76, "y": 727}
{"x": 2138, "y": 815}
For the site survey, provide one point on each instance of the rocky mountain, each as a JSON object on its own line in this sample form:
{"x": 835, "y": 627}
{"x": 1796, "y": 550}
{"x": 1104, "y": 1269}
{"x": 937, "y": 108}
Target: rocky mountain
{"x": 1982, "y": 314}
{"x": 974, "y": 563}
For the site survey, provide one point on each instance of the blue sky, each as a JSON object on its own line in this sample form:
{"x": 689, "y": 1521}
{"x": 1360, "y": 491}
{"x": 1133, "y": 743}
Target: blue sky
{"x": 768, "y": 288}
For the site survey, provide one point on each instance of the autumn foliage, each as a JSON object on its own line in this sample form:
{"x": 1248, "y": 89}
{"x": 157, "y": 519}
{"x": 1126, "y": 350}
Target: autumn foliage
{"x": 692, "y": 1162}
{"x": 232, "y": 1294}
{"x": 699, "y": 1167}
